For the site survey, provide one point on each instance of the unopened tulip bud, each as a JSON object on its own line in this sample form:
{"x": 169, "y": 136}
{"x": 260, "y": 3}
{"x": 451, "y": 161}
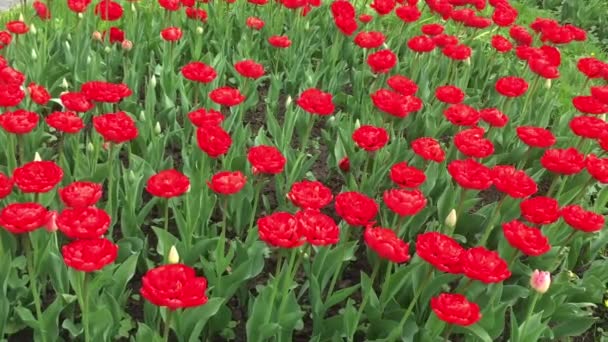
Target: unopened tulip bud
{"x": 173, "y": 255}
{"x": 80, "y": 15}
{"x": 288, "y": 101}
{"x": 37, "y": 157}
{"x": 97, "y": 36}
{"x": 51, "y": 221}
{"x": 468, "y": 61}
{"x": 127, "y": 45}
{"x": 89, "y": 59}
{"x": 452, "y": 219}
{"x": 34, "y": 55}
{"x": 21, "y": 17}
{"x": 65, "y": 84}
{"x": 603, "y": 117}
{"x": 142, "y": 116}
{"x": 69, "y": 37}
{"x": 107, "y": 49}
{"x": 133, "y": 9}
{"x": 90, "y": 147}
{"x": 199, "y": 30}
{"x": 132, "y": 177}
{"x": 344, "y": 164}
{"x": 67, "y": 46}
{"x": 157, "y": 128}
{"x": 540, "y": 281}
{"x": 548, "y": 83}
{"x": 307, "y": 26}
{"x": 153, "y": 81}
{"x": 357, "y": 124}
{"x": 188, "y": 190}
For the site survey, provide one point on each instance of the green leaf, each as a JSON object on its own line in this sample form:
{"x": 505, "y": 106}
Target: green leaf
{"x": 196, "y": 318}
{"x": 479, "y": 332}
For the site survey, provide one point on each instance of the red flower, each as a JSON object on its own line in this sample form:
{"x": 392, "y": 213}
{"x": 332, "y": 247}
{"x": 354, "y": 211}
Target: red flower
{"x": 77, "y": 102}
{"x": 441, "y": 251}
{"x": 365, "y": 18}
{"x": 196, "y": 13}
{"x": 504, "y": 16}
{"x": 462, "y": 115}
{"x": 5, "y": 40}
{"x": 19, "y": 121}
{"x": 597, "y": 167}
{"x": 78, "y": 6}
{"x": 175, "y": 286}
{"x": 6, "y": 185}
{"x": 406, "y": 176}
{"x": 17, "y": 27}
{"x": 370, "y": 40}
{"x": 66, "y": 122}
{"x": 280, "y": 229}
{"x": 408, "y": 14}
{"x": 205, "y": 117}
{"x": 11, "y": 76}
{"x": 89, "y": 255}
{"x": 449, "y": 94}
{"x": 255, "y": 23}
{"x": 581, "y": 219}
{"x": 382, "y": 61}
{"x": 266, "y": 160}
{"x": 387, "y": 244}
{"x": 511, "y": 86}
{"x": 170, "y": 5}
{"x": 472, "y": 143}
{"x": 520, "y": 35}
{"x": 108, "y": 10}
{"x": 600, "y": 93}
{"x": 591, "y": 67}
{"x": 19, "y": 218}
{"x": 370, "y": 138}
{"x": 355, "y": 208}
{"x": 432, "y": 29}
{"x": 115, "y": 127}
{"x": 171, "y": 34}
{"x": 428, "y": 149}
{"x": 563, "y": 161}
{"x": 444, "y": 40}
{"x": 168, "y": 183}
{"x": 279, "y": 41}
{"x": 494, "y": 117}
{"x": 116, "y": 35}
{"x": 343, "y": 13}
{"x": 226, "y": 96}
{"x": 41, "y": 10}
{"x": 213, "y": 140}
{"x": 536, "y": 136}
{"x": 484, "y": 265}
{"x": 38, "y": 94}
{"x": 588, "y": 127}
{"x": 315, "y": 101}
{"x": 100, "y": 91}
{"x": 458, "y": 52}
{"x": 83, "y": 223}
{"x": 513, "y": 182}
{"x": 37, "y": 176}
{"x": 310, "y": 194}
{"x": 470, "y": 174}
{"x": 227, "y": 182}
{"x": 344, "y": 164}
{"x": 421, "y": 44}
{"x": 404, "y": 202}
{"x": 589, "y": 105}
{"x": 383, "y": 7}
{"x": 402, "y": 85}
{"x": 199, "y": 72}
{"x": 454, "y": 308}
{"x": 540, "y": 210}
{"x": 81, "y": 194}
{"x": 390, "y": 102}
{"x": 318, "y": 228}
{"x": 250, "y": 69}
{"x": 529, "y": 240}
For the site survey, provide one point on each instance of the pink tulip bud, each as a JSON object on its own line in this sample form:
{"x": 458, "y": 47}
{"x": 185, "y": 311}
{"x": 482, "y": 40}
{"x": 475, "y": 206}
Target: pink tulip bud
{"x": 127, "y": 45}
{"x": 540, "y": 281}
{"x": 51, "y": 224}
{"x": 97, "y": 36}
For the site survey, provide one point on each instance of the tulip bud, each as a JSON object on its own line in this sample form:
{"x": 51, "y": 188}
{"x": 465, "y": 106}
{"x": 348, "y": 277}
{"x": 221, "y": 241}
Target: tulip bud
{"x": 107, "y": 49}
{"x": 34, "y": 55}
{"x": 603, "y": 117}
{"x": 80, "y": 15}
{"x": 33, "y": 29}
{"x": 67, "y": 46}
{"x": 89, "y": 59}
{"x": 173, "y": 255}
{"x": 21, "y": 17}
{"x": 157, "y": 128}
{"x": 69, "y": 37}
{"x": 606, "y": 303}
{"x": 132, "y": 177}
{"x": 468, "y": 61}
{"x": 540, "y": 281}
{"x": 307, "y": 26}
{"x": 142, "y": 116}
{"x": 288, "y": 101}
{"x": 344, "y": 164}
{"x": 51, "y": 221}
{"x": 65, "y": 84}
{"x": 133, "y": 9}
{"x": 153, "y": 81}
{"x": 127, "y": 45}
{"x": 90, "y": 147}
{"x": 97, "y": 36}
{"x": 357, "y": 124}
{"x": 199, "y": 30}
{"x": 37, "y": 157}
{"x": 548, "y": 83}
{"x": 452, "y": 219}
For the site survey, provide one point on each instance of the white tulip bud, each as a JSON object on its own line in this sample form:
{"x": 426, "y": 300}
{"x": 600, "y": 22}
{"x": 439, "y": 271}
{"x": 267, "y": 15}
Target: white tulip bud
{"x": 33, "y": 29}
{"x": 34, "y": 55}
{"x": 89, "y": 59}
{"x": 133, "y": 9}
{"x": 132, "y": 177}
{"x": 357, "y": 124}
{"x": 603, "y": 117}
{"x": 199, "y": 30}
{"x": 153, "y": 81}
{"x": 142, "y": 116}
{"x": 80, "y": 16}
{"x": 468, "y": 61}
{"x": 108, "y": 49}
{"x": 173, "y": 255}
{"x": 21, "y": 17}
{"x": 452, "y": 219}
{"x": 288, "y": 101}
{"x": 37, "y": 157}
{"x": 90, "y": 147}
{"x": 67, "y": 45}
{"x": 157, "y": 128}
{"x": 548, "y": 83}
{"x": 65, "y": 84}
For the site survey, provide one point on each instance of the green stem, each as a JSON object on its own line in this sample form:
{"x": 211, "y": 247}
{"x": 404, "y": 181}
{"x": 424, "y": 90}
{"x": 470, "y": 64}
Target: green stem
{"x": 27, "y": 249}
{"x": 513, "y": 257}
{"x": 292, "y": 268}
{"x": 530, "y": 310}
{"x": 222, "y": 241}
{"x": 259, "y": 184}
{"x": 529, "y": 97}
{"x": 306, "y": 137}
{"x": 490, "y": 227}
{"x": 563, "y": 247}
{"x": 365, "y": 298}
{"x": 553, "y": 186}
{"x": 448, "y": 332}
{"x": 21, "y": 148}
{"x": 394, "y": 335}
{"x": 167, "y": 325}
{"x": 524, "y": 160}
{"x": 84, "y": 307}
